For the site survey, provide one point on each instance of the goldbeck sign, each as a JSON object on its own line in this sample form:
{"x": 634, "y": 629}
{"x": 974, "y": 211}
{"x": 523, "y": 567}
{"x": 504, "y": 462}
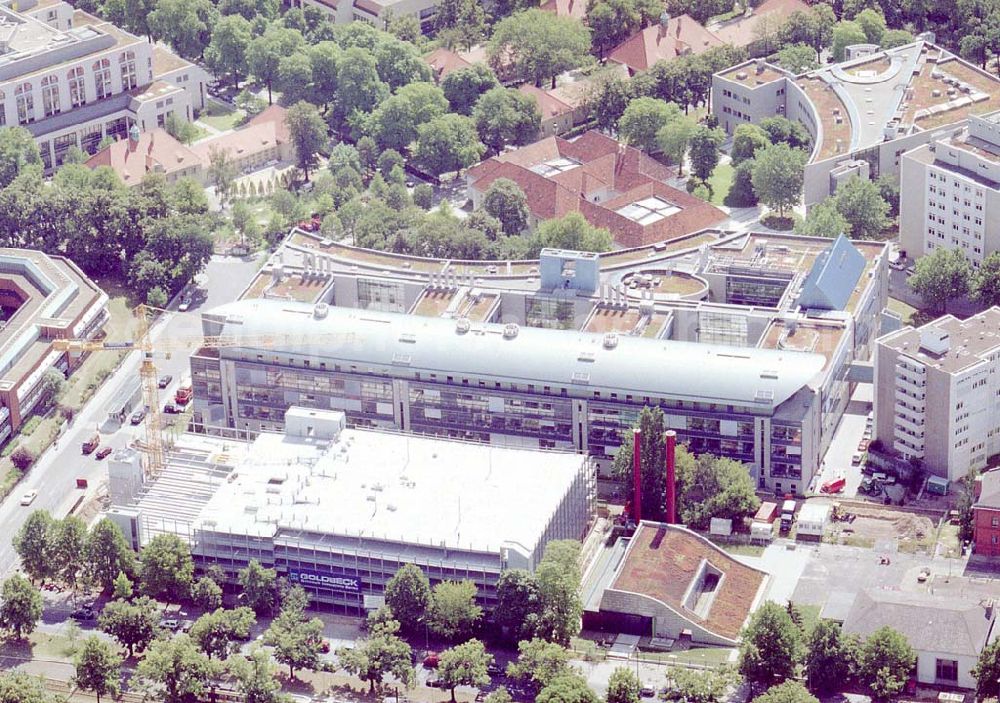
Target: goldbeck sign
{"x": 335, "y": 582}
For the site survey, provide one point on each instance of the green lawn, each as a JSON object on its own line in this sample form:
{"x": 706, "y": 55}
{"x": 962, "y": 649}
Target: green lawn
{"x": 720, "y": 183}
{"x": 704, "y": 656}
{"x": 98, "y": 366}
{"x": 221, "y": 116}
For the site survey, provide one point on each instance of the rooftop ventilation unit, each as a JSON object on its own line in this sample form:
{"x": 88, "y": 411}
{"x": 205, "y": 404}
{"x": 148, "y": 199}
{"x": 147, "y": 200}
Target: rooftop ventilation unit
{"x": 742, "y": 76}
{"x": 610, "y": 340}
{"x": 510, "y": 330}
{"x": 462, "y": 325}
{"x": 320, "y": 310}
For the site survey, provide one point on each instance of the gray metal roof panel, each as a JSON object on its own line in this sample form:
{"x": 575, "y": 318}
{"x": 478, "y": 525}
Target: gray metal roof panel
{"x": 746, "y": 376}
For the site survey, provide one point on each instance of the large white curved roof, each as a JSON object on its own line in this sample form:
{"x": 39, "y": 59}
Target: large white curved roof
{"x": 560, "y": 358}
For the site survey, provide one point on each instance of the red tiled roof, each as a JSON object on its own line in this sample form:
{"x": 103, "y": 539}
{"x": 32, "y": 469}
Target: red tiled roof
{"x": 567, "y": 8}
{"x": 263, "y": 132}
{"x": 155, "y": 151}
{"x": 661, "y": 562}
{"x": 272, "y": 115}
{"x": 443, "y": 61}
{"x": 740, "y": 32}
{"x": 610, "y": 175}
{"x": 549, "y": 105}
{"x": 682, "y": 35}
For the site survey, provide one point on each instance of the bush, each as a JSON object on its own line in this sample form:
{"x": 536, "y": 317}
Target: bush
{"x": 30, "y": 426}
{"x": 157, "y": 297}
{"x": 701, "y": 190}
{"x": 22, "y": 458}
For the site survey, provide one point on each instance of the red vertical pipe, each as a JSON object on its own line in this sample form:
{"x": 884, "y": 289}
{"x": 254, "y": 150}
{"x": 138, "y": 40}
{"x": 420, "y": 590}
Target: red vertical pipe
{"x": 671, "y": 478}
{"x": 636, "y": 475}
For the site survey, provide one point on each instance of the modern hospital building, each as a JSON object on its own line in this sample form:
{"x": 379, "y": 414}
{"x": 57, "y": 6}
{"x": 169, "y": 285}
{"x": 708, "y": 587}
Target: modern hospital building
{"x": 751, "y": 345}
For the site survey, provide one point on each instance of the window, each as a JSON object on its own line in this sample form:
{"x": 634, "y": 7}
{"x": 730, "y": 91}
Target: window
{"x": 995, "y": 521}
{"x": 946, "y": 670}
{"x": 3, "y": 108}
{"x": 25, "y": 103}
{"x": 77, "y": 87}
{"x": 102, "y": 78}
{"x": 50, "y": 96}
{"x": 127, "y": 61}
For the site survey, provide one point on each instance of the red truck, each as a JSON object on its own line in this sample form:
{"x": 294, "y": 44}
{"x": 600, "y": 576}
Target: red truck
{"x": 183, "y": 395}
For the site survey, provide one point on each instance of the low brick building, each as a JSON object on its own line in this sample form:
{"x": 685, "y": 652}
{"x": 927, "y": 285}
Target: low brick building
{"x": 986, "y": 515}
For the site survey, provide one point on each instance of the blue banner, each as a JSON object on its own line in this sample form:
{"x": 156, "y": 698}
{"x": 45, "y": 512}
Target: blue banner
{"x": 336, "y": 582}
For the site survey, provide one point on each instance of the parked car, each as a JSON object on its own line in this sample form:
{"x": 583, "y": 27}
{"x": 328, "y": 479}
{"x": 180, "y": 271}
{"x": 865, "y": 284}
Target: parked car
{"x": 324, "y": 646}
{"x": 647, "y": 692}
{"x": 857, "y": 459}
{"x": 170, "y": 624}
{"x": 85, "y": 612}
{"x": 435, "y": 682}
{"x": 164, "y": 381}
{"x": 91, "y": 444}
{"x": 29, "y": 497}
{"x": 834, "y": 486}
{"x": 138, "y": 416}
{"x": 185, "y": 304}
{"x": 103, "y": 452}
{"x": 925, "y": 573}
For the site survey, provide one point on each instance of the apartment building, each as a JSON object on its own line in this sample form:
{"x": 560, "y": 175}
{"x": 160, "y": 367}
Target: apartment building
{"x": 73, "y": 82}
{"x": 937, "y": 393}
{"x": 862, "y": 114}
{"x": 375, "y": 12}
{"x": 950, "y": 192}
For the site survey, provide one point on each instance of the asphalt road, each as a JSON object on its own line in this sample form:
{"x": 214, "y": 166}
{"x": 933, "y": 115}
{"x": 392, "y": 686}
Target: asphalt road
{"x": 54, "y": 474}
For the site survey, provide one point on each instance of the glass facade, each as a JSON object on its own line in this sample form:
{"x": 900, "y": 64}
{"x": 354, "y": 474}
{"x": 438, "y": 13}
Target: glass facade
{"x": 786, "y": 451}
{"x": 549, "y": 313}
{"x": 386, "y": 296}
{"x": 755, "y": 289}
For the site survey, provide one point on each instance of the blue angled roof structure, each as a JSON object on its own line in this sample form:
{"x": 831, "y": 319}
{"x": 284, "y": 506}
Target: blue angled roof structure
{"x": 833, "y": 277}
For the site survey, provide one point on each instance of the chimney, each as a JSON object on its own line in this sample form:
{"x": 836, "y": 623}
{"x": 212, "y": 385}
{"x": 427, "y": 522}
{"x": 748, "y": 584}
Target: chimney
{"x": 636, "y": 475}
{"x": 671, "y": 443}
{"x": 990, "y": 606}
{"x": 133, "y": 137}
{"x": 678, "y": 27}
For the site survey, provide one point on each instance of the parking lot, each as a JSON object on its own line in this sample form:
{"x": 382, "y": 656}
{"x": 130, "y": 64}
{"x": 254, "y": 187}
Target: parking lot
{"x": 853, "y": 429}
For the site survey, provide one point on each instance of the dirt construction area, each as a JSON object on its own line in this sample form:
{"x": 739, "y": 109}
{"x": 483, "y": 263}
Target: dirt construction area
{"x": 893, "y": 529}
{"x": 876, "y": 524}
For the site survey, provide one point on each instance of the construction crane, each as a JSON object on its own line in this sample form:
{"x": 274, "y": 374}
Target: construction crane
{"x": 152, "y": 445}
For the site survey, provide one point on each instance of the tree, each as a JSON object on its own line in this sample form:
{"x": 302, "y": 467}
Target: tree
{"x": 19, "y": 687}
{"x": 704, "y": 151}
{"x": 167, "y": 569}
{"x": 651, "y": 462}
{"x": 394, "y": 123}
{"x": 453, "y": 611}
{"x": 845, "y": 34}
{"x": 266, "y": 51}
{"x": 259, "y": 587}
{"x": 778, "y": 175}
{"x": 463, "y": 21}
{"x": 227, "y": 52}
{"x": 447, "y": 143}
{"x": 133, "y": 624}
{"x": 986, "y": 281}
{"x": 710, "y": 487}
{"x": 698, "y": 686}
{"x": 307, "y": 132}
{"x": 69, "y": 548}
{"x": 107, "y": 555}
{"x": 891, "y": 38}
{"x": 888, "y": 188}
{"x": 787, "y": 692}
{"x": 519, "y": 604}
{"x": 567, "y": 688}
{"x": 294, "y": 79}
{"x": 463, "y": 86}
{"x": 872, "y": 23}
{"x": 98, "y": 668}
{"x": 359, "y": 86}
{"x": 188, "y": 197}
{"x": 623, "y": 686}
{"x": 20, "y": 606}
{"x": 986, "y": 672}
{"x": 50, "y": 389}
{"x": 673, "y": 139}
{"x": 860, "y": 203}
{"x": 886, "y": 662}
{"x": 423, "y": 196}
{"x": 613, "y": 21}
{"x": 572, "y": 231}
{"x": 642, "y": 121}
{"x": 506, "y": 116}
{"x": 18, "y": 151}
{"x": 534, "y": 45}
{"x": 785, "y": 131}
{"x": 559, "y": 580}
{"x": 123, "y": 587}
{"x": 206, "y": 594}
{"x": 221, "y": 173}
{"x": 823, "y": 220}
{"x": 185, "y": 24}
{"x": 35, "y": 544}
{"x": 408, "y": 595}
{"x": 770, "y": 646}
{"x": 829, "y": 657}
{"x": 399, "y": 63}
{"x": 382, "y": 652}
{"x": 177, "y": 670}
{"x": 797, "y": 58}
{"x": 22, "y": 458}
{"x": 218, "y": 633}
{"x": 255, "y": 677}
{"x": 505, "y": 201}
{"x": 295, "y": 639}
{"x": 608, "y": 96}
{"x": 466, "y": 664}
{"x": 941, "y": 276}
{"x": 538, "y": 662}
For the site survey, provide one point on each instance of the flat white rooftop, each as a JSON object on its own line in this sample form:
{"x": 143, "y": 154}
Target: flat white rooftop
{"x": 394, "y": 487}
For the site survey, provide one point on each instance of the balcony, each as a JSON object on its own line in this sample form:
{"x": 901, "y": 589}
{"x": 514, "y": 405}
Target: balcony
{"x": 908, "y": 450}
{"x": 909, "y": 369}
{"x": 913, "y": 426}
{"x": 916, "y": 403}
{"x": 910, "y": 384}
